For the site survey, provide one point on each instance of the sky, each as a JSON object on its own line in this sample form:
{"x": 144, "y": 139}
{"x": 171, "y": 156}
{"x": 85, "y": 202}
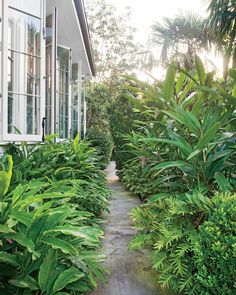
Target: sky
{"x": 146, "y": 12}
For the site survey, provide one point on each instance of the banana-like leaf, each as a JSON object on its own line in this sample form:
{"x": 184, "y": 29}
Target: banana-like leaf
{"x": 5, "y": 229}
{"x": 169, "y": 83}
{"x": 46, "y": 269}
{"x": 223, "y": 182}
{"x": 87, "y": 233}
{"x": 23, "y": 240}
{"x": 200, "y": 70}
{"x": 25, "y": 283}
{"x": 60, "y": 244}
{"x": 67, "y": 277}
{"x": 208, "y": 136}
{"x": 9, "y": 258}
{"x": 180, "y": 82}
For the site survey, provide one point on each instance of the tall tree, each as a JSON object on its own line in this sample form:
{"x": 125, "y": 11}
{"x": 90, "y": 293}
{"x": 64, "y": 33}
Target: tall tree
{"x": 222, "y": 22}
{"x": 181, "y": 36}
{"x": 112, "y": 38}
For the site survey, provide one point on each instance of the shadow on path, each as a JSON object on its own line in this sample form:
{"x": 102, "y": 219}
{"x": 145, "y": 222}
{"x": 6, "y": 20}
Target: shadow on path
{"x": 130, "y": 273}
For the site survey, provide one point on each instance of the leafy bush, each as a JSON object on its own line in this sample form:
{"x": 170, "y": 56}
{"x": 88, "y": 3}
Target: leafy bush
{"x": 72, "y": 164}
{"x": 216, "y": 249}
{"x": 168, "y": 228}
{"x": 183, "y": 156}
{"x": 101, "y": 140}
{"x": 48, "y": 242}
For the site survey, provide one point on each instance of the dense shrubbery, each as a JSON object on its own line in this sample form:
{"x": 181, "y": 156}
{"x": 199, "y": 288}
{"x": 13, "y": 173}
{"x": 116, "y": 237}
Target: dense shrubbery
{"x": 49, "y": 232}
{"x": 183, "y": 155}
{"x": 101, "y": 140}
{"x": 192, "y": 242}
{"x": 216, "y": 249}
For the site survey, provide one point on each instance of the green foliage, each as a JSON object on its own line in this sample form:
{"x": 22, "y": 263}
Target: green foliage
{"x": 182, "y": 157}
{"x": 216, "y": 249}
{"x": 187, "y": 140}
{"x": 101, "y": 140}
{"x": 49, "y": 234}
{"x": 64, "y": 165}
{"x": 168, "y": 228}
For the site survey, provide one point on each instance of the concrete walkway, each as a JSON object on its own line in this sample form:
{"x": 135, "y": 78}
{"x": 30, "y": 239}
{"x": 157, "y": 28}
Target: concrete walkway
{"x": 130, "y": 273}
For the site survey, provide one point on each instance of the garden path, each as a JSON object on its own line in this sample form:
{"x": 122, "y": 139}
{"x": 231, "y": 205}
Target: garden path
{"x": 130, "y": 273}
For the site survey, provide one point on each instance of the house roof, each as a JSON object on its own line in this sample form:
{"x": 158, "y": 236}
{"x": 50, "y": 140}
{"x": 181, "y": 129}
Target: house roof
{"x": 79, "y": 4}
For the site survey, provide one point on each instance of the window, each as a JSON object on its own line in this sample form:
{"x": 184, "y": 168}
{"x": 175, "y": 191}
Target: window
{"x": 24, "y": 105}
{"x": 23, "y": 73}
{"x": 63, "y": 85}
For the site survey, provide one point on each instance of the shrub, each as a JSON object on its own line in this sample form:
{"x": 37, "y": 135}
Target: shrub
{"x": 67, "y": 164}
{"x": 101, "y": 140}
{"x": 48, "y": 242}
{"x": 216, "y": 249}
{"x": 168, "y": 229}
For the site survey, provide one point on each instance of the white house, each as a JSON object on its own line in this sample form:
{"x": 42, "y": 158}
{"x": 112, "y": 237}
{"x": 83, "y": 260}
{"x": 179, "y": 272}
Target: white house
{"x": 45, "y": 55}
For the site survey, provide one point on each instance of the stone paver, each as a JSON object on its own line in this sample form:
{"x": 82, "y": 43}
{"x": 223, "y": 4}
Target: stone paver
{"x": 130, "y": 273}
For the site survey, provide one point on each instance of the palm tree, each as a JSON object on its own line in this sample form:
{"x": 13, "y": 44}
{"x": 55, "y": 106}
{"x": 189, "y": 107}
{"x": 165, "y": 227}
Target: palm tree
{"x": 181, "y": 36}
{"x": 222, "y": 22}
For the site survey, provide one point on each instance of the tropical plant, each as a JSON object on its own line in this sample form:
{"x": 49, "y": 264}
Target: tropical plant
{"x": 47, "y": 245}
{"x": 222, "y": 22}
{"x": 179, "y": 37}
{"x": 101, "y": 140}
{"x": 49, "y": 233}
{"x": 187, "y": 141}
{"x": 64, "y": 165}
{"x": 192, "y": 242}
{"x": 168, "y": 228}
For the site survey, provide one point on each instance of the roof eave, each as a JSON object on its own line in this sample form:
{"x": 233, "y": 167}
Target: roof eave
{"x": 79, "y": 4}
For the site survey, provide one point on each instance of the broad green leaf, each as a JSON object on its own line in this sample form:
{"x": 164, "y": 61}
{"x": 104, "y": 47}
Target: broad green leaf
{"x": 209, "y": 79}
{"x": 68, "y": 276}
{"x": 234, "y": 91}
{"x": 60, "y": 244}
{"x": 27, "y": 282}
{"x": 158, "y": 197}
{"x": 175, "y": 164}
{"x": 180, "y": 82}
{"x": 24, "y": 217}
{"x": 46, "y": 269}
{"x": 88, "y": 233}
{"x": 193, "y": 154}
{"x": 3, "y": 183}
{"x": 200, "y": 69}
{"x": 9, "y": 258}
{"x": 208, "y": 136}
{"x": 5, "y": 229}
{"x": 223, "y": 182}
{"x": 169, "y": 82}
{"x": 23, "y": 240}
{"x": 182, "y": 146}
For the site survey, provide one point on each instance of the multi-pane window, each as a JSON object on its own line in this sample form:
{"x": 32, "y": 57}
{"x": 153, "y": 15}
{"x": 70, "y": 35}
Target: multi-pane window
{"x": 62, "y": 102}
{"x": 24, "y": 78}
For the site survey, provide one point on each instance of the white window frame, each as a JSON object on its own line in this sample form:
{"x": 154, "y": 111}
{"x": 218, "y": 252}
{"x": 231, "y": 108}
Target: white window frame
{"x": 22, "y": 137}
{"x": 69, "y": 97}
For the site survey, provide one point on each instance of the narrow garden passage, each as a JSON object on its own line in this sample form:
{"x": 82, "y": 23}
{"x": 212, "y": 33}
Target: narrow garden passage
{"x": 130, "y": 273}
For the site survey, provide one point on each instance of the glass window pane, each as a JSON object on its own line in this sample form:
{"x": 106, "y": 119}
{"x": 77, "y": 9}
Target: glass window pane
{"x": 63, "y": 92}
{"x": 23, "y": 73}
{"x": 29, "y": 6}
{"x": 23, "y": 114}
{"x": 24, "y": 33}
